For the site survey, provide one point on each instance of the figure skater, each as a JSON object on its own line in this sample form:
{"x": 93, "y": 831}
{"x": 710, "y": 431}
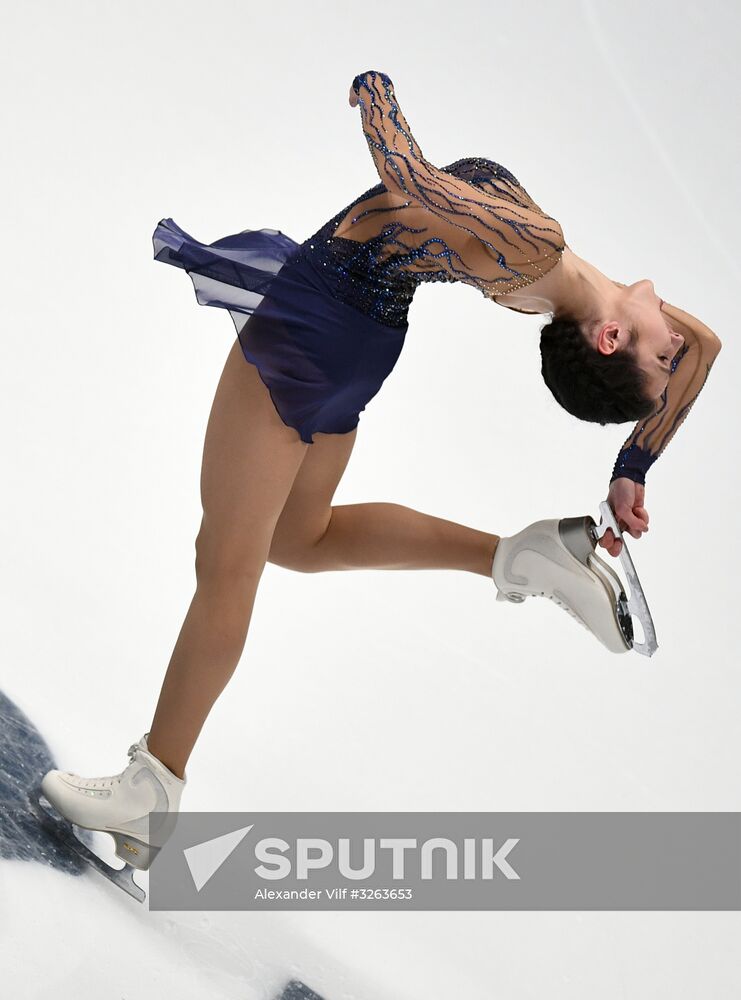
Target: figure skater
{"x": 319, "y": 327}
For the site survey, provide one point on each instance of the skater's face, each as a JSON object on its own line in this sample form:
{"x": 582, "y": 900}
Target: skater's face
{"x": 655, "y": 344}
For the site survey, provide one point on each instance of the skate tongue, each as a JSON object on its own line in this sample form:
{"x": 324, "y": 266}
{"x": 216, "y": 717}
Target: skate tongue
{"x": 141, "y": 745}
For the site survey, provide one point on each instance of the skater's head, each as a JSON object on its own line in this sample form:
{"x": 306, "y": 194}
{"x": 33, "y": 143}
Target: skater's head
{"x": 613, "y": 364}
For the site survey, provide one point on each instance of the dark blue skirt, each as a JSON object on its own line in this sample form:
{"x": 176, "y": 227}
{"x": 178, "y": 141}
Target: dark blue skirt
{"x": 321, "y": 359}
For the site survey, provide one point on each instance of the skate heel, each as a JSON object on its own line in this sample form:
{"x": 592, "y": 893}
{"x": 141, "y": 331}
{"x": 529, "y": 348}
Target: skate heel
{"x": 134, "y": 852}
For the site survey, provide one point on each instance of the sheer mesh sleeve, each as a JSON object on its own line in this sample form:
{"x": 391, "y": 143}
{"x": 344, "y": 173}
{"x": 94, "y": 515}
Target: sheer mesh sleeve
{"x": 690, "y": 369}
{"x": 498, "y": 240}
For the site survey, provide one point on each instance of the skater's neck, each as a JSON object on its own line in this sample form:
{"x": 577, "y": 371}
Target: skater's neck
{"x": 574, "y": 288}
{"x": 582, "y": 291}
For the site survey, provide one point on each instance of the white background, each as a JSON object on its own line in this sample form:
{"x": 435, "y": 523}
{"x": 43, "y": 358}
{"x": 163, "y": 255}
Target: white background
{"x": 391, "y": 690}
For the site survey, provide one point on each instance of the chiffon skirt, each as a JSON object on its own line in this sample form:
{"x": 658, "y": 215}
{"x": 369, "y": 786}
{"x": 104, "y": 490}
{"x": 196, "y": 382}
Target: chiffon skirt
{"x": 321, "y": 359}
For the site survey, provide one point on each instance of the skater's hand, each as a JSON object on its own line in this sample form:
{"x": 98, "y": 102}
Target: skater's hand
{"x": 626, "y": 500}
{"x": 353, "y": 98}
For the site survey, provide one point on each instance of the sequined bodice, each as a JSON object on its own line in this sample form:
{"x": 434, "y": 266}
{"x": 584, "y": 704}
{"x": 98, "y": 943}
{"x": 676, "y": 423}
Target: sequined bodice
{"x": 357, "y": 272}
{"x": 471, "y": 221}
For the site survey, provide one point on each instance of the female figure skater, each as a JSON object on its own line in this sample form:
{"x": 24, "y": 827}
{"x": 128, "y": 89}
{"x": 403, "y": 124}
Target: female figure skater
{"x": 321, "y": 325}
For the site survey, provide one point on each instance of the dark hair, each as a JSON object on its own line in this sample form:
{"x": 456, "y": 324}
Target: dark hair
{"x": 602, "y": 388}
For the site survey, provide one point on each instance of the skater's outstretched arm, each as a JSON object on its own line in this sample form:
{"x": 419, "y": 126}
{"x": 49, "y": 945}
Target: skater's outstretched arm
{"x": 498, "y": 240}
{"x": 690, "y": 369}
{"x": 649, "y": 438}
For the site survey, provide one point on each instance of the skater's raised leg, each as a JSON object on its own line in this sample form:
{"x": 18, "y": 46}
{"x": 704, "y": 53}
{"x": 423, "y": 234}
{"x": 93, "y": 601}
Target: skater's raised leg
{"x": 553, "y": 558}
{"x": 313, "y": 535}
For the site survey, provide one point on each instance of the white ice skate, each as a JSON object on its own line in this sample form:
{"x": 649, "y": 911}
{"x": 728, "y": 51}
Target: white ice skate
{"x": 119, "y": 804}
{"x": 556, "y": 559}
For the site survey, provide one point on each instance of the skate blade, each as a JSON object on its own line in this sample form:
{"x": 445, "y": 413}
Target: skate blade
{"x": 636, "y": 604}
{"x": 62, "y": 830}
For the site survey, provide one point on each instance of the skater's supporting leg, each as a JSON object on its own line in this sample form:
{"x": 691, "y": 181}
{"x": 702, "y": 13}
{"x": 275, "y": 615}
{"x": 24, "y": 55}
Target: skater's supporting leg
{"x": 250, "y": 460}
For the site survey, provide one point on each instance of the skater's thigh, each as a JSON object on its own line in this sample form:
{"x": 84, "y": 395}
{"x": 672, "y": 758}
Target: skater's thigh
{"x": 306, "y": 512}
{"x": 250, "y": 460}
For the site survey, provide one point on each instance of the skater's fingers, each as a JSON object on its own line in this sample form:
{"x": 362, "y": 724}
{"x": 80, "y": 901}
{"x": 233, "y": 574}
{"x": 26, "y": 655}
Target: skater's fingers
{"x": 643, "y": 514}
{"x": 610, "y": 542}
{"x": 614, "y": 549}
{"x": 627, "y": 529}
{"x": 627, "y": 519}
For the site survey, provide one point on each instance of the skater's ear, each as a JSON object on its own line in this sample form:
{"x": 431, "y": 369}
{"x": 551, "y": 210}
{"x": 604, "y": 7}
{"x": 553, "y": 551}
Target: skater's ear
{"x": 610, "y": 336}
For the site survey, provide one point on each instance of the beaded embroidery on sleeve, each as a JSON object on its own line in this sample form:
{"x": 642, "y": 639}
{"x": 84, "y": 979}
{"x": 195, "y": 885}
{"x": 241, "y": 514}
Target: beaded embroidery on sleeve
{"x": 689, "y": 372}
{"x": 471, "y": 221}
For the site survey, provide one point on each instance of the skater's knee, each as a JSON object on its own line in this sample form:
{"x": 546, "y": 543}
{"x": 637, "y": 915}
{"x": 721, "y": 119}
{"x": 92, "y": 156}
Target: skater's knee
{"x": 230, "y": 558}
{"x": 299, "y": 559}
{"x": 297, "y": 549}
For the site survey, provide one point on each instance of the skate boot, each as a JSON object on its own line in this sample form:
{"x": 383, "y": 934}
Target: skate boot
{"x": 120, "y": 804}
{"x": 556, "y": 559}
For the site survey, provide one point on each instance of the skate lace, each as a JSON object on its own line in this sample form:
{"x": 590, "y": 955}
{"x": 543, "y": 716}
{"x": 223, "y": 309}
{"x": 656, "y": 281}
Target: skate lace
{"x": 551, "y": 597}
{"x": 574, "y": 615}
{"x": 108, "y": 780}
